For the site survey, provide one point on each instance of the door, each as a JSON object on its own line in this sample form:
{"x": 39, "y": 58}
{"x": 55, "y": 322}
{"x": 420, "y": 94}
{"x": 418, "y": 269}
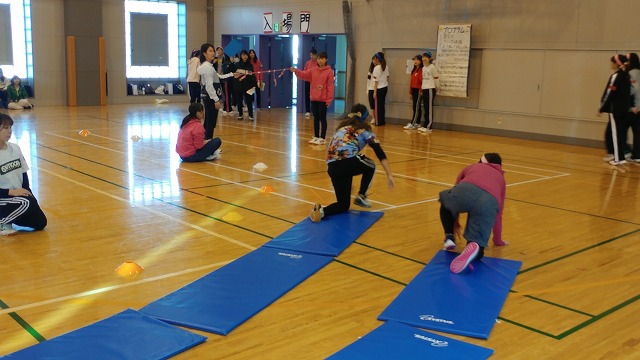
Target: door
{"x": 277, "y": 55}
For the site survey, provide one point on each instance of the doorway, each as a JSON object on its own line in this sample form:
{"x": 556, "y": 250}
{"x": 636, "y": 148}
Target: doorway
{"x": 280, "y": 52}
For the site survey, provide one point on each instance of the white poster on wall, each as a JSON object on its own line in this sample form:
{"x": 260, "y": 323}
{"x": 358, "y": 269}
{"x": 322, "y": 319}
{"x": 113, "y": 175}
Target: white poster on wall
{"x": 454, "y": 48}
{"x": 287, "y": 22}
{"x": 267, "y": 23}
{"x": 305, "y": 21}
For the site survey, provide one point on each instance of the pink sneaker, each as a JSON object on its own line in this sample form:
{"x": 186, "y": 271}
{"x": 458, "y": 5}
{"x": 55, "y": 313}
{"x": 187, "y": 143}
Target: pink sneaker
{"x": 466, "y": 256}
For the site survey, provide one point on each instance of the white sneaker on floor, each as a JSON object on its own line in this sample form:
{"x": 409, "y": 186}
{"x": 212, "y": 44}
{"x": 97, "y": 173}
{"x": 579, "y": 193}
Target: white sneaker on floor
{"x": 409, "y": 126}
{"x": 314, "y": 140}
{"x": 608, "y": 158}
{"x": 251, "y": 118}
{"x": 621, "y": 162}
{"x": 307, "y": 115}
{"x": 361, "y": 201}
{"x": 215, "y": 156}
{"x": 449, "y": 245}
{"x": 320, "y": 141}
{"x": 7, "y": 230}
{"x": 224, "y": 113}
{"x": 423, "y": 129}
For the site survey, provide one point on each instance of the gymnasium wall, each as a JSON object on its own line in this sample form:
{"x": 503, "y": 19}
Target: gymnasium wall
{"x": 537, "y": 68}
{"x": 49, "y": 48}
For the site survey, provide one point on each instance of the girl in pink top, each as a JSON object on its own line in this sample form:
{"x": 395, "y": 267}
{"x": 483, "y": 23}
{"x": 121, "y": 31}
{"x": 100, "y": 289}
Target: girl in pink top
{"x": 480, "y": 192}
{"x": 321, "y": 95}
{"x": 191, "y": 145}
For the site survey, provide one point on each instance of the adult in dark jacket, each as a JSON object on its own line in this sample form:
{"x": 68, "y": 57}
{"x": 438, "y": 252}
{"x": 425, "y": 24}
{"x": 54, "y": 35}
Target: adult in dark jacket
{"x": 244, "y": 83}
{"x": 616, "y": 100}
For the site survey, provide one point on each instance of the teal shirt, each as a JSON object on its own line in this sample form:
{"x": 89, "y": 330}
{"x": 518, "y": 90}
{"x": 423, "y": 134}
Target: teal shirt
{"x": 14, "y": 95}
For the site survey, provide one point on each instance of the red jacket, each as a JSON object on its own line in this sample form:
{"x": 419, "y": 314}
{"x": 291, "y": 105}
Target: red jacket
{"x": 257, "y": 68}
{"x": 190, "y": 138}
{"x": 321, "y": 79}
{"x": 310, "y": 64}
{"x": 416, "y": 79}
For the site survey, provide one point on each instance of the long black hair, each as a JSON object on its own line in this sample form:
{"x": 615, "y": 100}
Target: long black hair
{"x": 203, "y": 49}
{"x": 416, "y": 67}
{"x": 255, "y": 56}
{"x": 193, "y": 110}
{"x": 634, "y": 62}
{"x": 357, "y": 119}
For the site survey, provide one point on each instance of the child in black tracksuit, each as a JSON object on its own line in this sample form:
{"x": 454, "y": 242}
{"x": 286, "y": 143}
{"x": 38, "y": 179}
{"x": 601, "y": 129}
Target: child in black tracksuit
{"x": 616, "y": 100}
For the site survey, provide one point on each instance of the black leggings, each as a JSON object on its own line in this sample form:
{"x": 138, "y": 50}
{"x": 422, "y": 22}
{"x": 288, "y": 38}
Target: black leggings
{"x": 319, "y": 109}
{"x": 342, "y": 173}
{"x": 194, "y": 92}
{"x": 448, "y": 220}
{"x": 22, "y": 211}
{"x": 210, "y": 117}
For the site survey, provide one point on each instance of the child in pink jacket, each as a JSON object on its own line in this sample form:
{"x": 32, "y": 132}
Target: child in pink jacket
{"x": 322, "y": 89}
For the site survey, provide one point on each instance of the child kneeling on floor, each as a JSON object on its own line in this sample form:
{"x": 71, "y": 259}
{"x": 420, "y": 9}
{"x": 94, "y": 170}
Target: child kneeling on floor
{"x": 480, "y": 192}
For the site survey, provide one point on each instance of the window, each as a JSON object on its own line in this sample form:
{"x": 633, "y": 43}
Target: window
{"x": 16, "y": 54}
{"x": 155, "y": 33}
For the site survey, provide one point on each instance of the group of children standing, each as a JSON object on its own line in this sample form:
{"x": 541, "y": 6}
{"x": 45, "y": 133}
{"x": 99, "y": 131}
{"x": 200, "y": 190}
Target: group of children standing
{"x": 621, "y": 100}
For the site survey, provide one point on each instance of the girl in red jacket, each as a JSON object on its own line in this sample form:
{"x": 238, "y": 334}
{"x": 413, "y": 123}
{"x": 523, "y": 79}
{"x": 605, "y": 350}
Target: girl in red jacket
{"x": 191, "y": 145}
{"x": 321, "y": 95}
{"x": 415, "y": 93}
{"x": 257, "y": 69}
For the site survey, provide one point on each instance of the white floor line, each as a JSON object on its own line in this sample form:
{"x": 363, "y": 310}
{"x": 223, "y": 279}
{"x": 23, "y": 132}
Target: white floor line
{"x": 127, "y": 201}
{"x": 110, "y": 288}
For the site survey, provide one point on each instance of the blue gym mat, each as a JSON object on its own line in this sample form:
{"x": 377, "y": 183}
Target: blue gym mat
{"x": 229, "y": 296}
{"x": 393, "y": 340}
{"x": 127, "y": 335}
{"x": 328, "y": 237}
{"x": 465, "y": 304}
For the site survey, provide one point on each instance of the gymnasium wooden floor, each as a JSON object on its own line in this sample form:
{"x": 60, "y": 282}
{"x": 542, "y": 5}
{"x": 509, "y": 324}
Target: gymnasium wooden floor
{"x": 573, "y": 221}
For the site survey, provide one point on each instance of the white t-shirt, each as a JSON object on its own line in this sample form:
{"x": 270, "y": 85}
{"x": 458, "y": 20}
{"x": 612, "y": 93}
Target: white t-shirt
{"x": 381, "y": 76}
{"x": 429, "y": 77}
{"x": 192, "y": 71}
{"x": 12, "y": 165}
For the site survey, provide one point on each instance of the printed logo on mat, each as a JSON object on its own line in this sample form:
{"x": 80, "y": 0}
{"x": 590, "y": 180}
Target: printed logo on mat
{"x": 292, "y": 256}
{"x": 434, "y": 342}
{"x": 435, "y": 319}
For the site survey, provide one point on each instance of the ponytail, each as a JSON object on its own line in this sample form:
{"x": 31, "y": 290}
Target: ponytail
{"x": 193, "y": 110}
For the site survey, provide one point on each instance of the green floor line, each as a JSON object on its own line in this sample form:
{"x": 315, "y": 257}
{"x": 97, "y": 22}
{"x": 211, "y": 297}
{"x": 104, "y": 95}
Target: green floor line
{"x": 390, "y": 253}
{"x": 578, "y": 252}
{"x": 574, "y": 211}
{"x": 598, "y": 317}
{"x": 559, "y": 306}
{"x": 160, "y": 200}
{"x": 369, "y": 272}
{"x": 36, "y": 335}
{"x": 527, "y": 327}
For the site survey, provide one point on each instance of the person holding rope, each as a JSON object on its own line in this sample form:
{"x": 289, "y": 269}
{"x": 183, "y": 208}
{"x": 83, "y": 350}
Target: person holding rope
{"x": 322, "y": 90}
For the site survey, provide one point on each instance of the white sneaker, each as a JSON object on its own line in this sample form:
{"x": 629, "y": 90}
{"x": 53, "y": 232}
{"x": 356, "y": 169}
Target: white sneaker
{"x": 215, "y": 156}
{"x": 423, "y": 129}
{"x": 449, "y": 245}
{"x": 361, "y": 201}
{"x": 621, "y": 162}
{"x": 314, "y": 140}
{"x": 250, "y": 118}
{"x": 608, "y": 158}
{"x": 307, "y": 115}
{"x": 321, "y": 141}
{"x": 7, "y": 230}
{"x": 409, "y": 126}
{"x": 224, "y": 113}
